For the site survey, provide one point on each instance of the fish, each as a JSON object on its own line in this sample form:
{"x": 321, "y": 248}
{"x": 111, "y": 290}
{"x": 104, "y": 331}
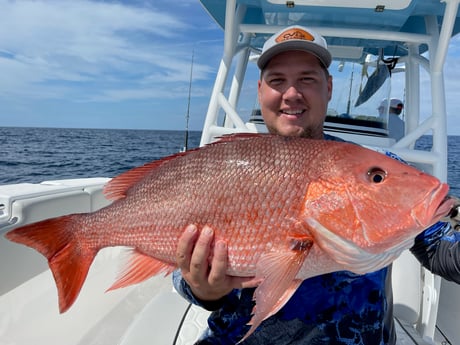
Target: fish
{"x": 373, "y": 84}
{"x": 288, "y": 208}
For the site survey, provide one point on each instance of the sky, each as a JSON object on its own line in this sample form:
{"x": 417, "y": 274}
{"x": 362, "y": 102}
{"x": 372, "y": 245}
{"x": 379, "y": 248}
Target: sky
{"x": 122, "y": 64}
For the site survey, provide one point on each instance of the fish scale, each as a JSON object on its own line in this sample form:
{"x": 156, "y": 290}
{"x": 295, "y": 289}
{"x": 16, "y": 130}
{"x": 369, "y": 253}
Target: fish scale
{"x": 288, "y": 209}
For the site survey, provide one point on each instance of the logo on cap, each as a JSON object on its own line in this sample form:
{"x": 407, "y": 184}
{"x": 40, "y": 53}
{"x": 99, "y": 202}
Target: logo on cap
{"x": 294, "y": 34}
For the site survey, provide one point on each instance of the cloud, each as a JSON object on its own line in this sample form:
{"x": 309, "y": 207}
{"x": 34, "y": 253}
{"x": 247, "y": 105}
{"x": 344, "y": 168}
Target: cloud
{"x": 74, "y": 57}
{"x": 90, "y": 50}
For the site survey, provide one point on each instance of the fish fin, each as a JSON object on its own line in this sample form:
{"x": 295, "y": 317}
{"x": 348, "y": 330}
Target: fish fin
{"x": 278, "y": 271}
{"x": 238, "y": 136}
{"x": 68, "y": 260}
{"x": 292, "y": 288}
{"x": 140, "y": 267}
{"x": 117, "y": 187}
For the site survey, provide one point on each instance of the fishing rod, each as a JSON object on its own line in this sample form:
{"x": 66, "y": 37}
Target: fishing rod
{"x": 187, "y": 116}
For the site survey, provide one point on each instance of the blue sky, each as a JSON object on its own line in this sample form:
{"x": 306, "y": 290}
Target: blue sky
{"x": 121, "y": 64}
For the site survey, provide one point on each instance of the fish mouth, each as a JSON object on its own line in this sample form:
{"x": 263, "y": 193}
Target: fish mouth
{"x": 445, "y": 203}
{"x": 435, "y": 206}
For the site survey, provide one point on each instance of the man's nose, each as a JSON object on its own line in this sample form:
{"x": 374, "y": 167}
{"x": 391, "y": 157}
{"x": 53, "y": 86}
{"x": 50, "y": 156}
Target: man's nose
{"x": 292, "y": 92}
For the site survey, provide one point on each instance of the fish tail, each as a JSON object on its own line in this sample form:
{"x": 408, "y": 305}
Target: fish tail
{"x": 68, "y": 259}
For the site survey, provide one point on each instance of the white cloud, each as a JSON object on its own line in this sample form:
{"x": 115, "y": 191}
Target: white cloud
{"x": 50, "y": 48}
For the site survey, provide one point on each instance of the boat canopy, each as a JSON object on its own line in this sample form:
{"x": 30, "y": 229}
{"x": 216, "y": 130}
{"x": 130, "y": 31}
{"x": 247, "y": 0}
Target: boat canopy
{"x": 389, "y": 22}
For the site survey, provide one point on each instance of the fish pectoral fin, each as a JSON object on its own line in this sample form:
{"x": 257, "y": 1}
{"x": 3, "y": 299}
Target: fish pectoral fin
{"x": 278, "y": 271}
{"x": 285, "y": 297}
{"x": 140, "y": 267}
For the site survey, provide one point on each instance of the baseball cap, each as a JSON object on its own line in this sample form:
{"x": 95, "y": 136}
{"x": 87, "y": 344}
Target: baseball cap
{"x": 295, "y": 38}
{"x": 394, "y": 103}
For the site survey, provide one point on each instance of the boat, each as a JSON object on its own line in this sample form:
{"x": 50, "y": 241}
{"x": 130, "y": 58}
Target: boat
{"x": 365, "y": 36}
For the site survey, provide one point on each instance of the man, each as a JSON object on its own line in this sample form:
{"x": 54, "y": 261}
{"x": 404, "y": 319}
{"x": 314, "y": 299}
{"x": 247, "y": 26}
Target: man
{"x": 395, "y": 123}
{"x": 337, "y": 308}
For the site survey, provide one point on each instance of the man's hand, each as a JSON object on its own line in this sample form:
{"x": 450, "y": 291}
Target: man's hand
{"x": 204, "y": 267}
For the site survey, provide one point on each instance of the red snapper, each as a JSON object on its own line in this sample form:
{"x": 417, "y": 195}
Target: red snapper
{"x": 288, "y": 208}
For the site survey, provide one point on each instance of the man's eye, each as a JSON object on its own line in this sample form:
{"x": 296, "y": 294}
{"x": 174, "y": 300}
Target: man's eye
{"x": 276, "y": 81}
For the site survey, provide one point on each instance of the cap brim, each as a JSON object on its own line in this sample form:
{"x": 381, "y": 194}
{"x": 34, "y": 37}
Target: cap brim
{"x": 300, "y": 45}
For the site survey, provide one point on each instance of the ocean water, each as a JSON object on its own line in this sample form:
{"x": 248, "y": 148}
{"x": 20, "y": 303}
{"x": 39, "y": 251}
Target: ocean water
{"x": 39, "y": 154}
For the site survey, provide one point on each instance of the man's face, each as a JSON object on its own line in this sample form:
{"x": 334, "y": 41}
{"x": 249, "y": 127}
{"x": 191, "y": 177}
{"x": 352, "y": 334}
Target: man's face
{"x": 293, "y": 94}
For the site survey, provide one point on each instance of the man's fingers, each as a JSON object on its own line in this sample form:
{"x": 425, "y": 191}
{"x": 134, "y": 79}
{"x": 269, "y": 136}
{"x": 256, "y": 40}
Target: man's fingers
{"x": 199, "y": 263}
{"x": 185, "y": 247}
{"x": 219, "y": 263}
{"x": 218, "y": 273}
{"x": 204, "y": 264}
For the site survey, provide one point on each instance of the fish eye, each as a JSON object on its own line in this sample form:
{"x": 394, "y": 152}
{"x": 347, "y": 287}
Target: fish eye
{"x": 376, "y": 175}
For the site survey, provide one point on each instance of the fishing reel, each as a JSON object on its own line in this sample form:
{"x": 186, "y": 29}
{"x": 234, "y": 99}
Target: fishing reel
{"x": 453, "y": 217}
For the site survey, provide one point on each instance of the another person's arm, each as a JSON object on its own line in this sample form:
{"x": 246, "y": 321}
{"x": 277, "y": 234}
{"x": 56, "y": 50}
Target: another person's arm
{"x": 438, "y": 249}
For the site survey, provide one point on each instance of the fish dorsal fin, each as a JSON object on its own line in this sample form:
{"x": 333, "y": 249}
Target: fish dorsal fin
{"x": 140, "y": 267}
{"x": 239, "y": 136}
{"x": 278, "y": 271}
{"x": 119, "y": 185}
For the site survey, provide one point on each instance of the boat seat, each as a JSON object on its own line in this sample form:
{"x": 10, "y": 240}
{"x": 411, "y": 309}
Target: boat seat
{"x": 25, "y": 203}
